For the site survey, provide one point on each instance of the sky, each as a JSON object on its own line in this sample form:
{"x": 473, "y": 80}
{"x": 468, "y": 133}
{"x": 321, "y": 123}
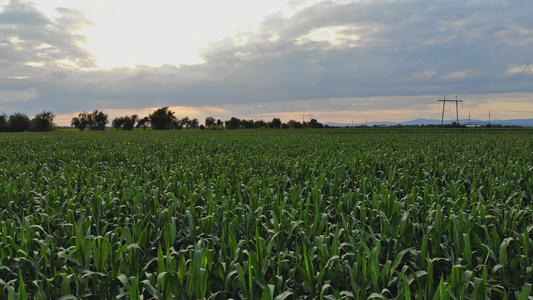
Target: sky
{"x": 336, "y": 61}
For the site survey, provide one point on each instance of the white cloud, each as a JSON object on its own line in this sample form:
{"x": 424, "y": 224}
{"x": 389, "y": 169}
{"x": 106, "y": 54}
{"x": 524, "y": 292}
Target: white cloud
{"x": 336, "y": 36}
{"x": 520, "y": 69}
{"x": 456, "y": 75}
{"x": 424, "y": 74}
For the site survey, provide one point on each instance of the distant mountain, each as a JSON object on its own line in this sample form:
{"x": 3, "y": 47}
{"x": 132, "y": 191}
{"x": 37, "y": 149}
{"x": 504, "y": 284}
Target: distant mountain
{"x": 513, "y": 122}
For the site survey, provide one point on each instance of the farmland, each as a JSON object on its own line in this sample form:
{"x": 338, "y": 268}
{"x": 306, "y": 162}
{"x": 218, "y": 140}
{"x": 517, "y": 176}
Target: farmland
{"x": 267, "y": 214}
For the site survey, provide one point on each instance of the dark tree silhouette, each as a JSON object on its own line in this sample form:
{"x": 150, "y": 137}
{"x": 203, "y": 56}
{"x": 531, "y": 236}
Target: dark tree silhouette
{"x": 294, "y": 124}
{"x": 143, "y": 123}
{"x": 43, "y": 121}
{"x": 275, "y": 123}
{"x": 210, "y": 121}
{"x": 194, "y": 123}
{"x": 99, "y": 120}
{"x": 19, "y": 122}
{"x": 81, "y": 121}
{"x": 260, "y": 124}
{"x": 125, "y": 123}
{"x": 233, "y": 123}
{"x": 95, "y": 120}
{"x": 162, "y": 119}
{"x": 4, "y": 124}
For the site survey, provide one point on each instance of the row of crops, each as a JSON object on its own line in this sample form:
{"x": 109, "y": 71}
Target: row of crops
{"x": 310, "y": 214}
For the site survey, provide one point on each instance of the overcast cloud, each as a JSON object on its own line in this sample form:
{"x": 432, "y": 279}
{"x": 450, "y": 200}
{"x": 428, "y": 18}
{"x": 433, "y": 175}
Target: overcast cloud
{"x": 352, "y": 56}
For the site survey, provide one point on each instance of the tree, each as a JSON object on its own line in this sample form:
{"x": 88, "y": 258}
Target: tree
{"x": 43, "y": 121}
{"x": 315, "y": 124}
{"x": 98, "y": 120}
{"x": 95, "y": 120}
{"x": 162, "y": 119}
{"x": 233, "y": 123}
{"x": 4, "y": 124}
{"x": 175, "y": 124}
{"x": 125, "y": 123}
{"x": 143, "y": 123}
{"x": 185, "y": 122}
{"x": 117, "y": 123}
{"x": 294, "y": 124}
{"x": 220, "y": 123}
{"x": 260, "y": 124}
{"x": 81, "y": 121}
{"x": 19, "y": 122}
{"x": 247, "y": 124}
{"x": 194, "y": 123}
{"x": 129, "y": 122}
{"x": 275, "y": 123}
{"x": 210, "y": 121}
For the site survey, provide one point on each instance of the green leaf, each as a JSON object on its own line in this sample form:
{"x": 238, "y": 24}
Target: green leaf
{"x": 283, "y": 295}
{"x": 376, "y": 295}
{"x": 268, "y": 292}
{"x": 22, "y": 289}
{"x": 526, "y": 291}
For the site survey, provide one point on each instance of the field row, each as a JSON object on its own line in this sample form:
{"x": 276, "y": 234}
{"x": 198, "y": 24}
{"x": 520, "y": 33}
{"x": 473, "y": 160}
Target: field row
{"x": 270, "y": 214}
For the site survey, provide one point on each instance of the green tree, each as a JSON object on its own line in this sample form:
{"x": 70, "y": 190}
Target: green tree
{"x": 185, "y": 122}
{"x": 315, "y": 124}
{"x": 4, "y": 124}
{"x": 97, "y": 120}
{"x": 43, "y": 122}
{"x": 129, "y": 122}
{"x": 275, "y": 123}
{"x": 260, "y": 124}
{"x": 19, "y": 122}
{"x": 81, "y": 121}
{"x": 143, "y": 123}
{"x": 247, "y": 124}
{"x": 210, "y": 121}
{"x": 118, "y": 122}
{"x": 125, "y": 123}
{"x": 162, "y": 119}
{"x": 233, "y": 123}
{"x": 194, "y": 123}
{"x": 294, "y": 124}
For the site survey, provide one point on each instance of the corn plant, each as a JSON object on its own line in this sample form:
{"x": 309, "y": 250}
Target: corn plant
{"x": 273, "y": 214}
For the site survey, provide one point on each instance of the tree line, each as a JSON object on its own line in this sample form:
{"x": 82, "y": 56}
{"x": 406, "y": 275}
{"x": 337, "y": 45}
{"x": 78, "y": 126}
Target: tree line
{"x": 19, "y": 122}
{"x": 161, "y": 119}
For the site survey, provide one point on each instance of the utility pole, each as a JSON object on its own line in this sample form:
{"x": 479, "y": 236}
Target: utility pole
{"x": 303, "y": 117}
{"x": 456, "y": 108}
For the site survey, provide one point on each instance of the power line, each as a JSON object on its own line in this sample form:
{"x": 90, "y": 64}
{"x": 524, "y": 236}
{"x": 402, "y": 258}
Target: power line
{"x": 456, "y": 108}
{"x": 303, "y": 117}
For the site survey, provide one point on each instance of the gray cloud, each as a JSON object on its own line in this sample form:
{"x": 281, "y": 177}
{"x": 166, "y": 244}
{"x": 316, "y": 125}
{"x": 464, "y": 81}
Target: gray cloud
{"x": 372, "y": 49}
{"x": 30, "y": 36}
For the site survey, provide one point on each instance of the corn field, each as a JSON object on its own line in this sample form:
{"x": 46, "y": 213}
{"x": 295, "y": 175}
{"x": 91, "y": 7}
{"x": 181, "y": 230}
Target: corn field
{"x": 267, "y": 214}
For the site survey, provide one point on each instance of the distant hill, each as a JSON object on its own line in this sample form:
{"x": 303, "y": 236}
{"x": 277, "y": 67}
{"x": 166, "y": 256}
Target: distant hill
{"x": 513, "y": 122}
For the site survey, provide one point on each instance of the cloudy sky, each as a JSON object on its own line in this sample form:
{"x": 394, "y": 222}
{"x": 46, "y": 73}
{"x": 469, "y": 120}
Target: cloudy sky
{"x": 339, "y": 61}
